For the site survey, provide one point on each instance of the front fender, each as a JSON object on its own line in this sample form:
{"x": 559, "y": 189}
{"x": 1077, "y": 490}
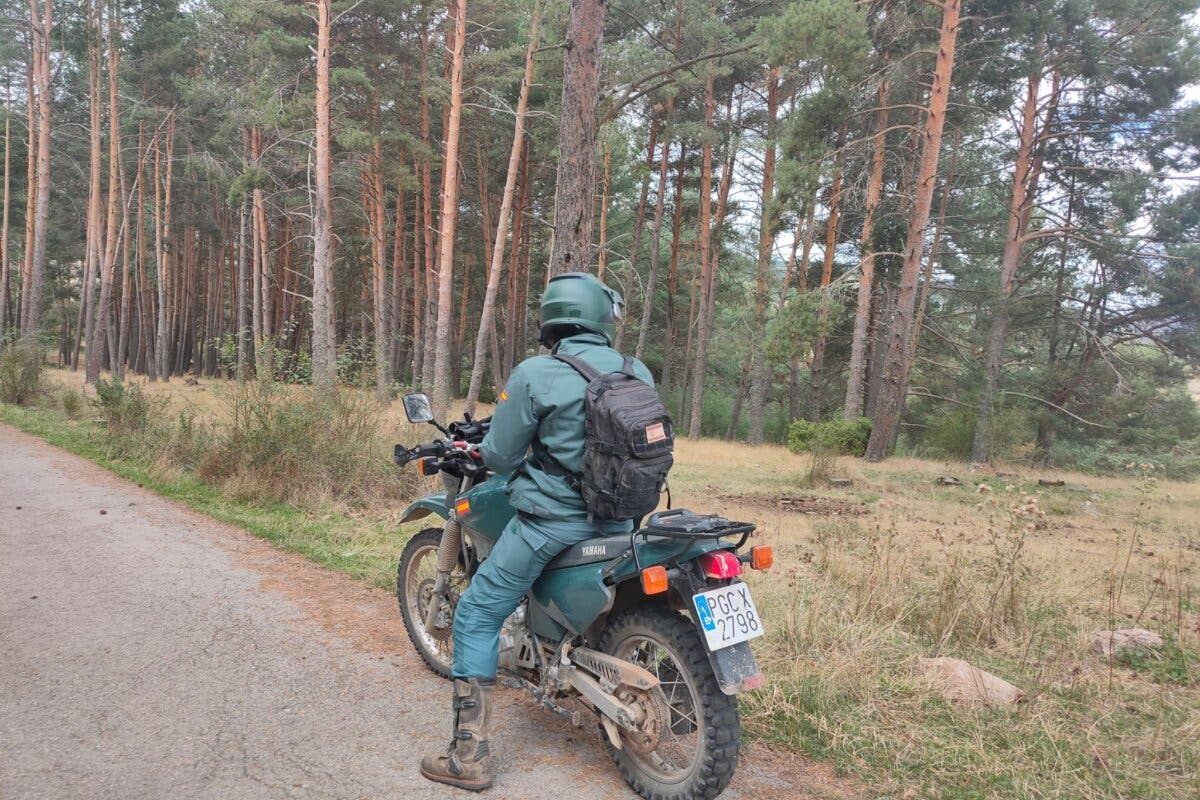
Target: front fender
{"x": 430, "y": 504}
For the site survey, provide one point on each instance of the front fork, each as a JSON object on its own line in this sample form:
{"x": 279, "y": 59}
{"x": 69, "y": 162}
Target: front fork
{"x": 448, "y": 552}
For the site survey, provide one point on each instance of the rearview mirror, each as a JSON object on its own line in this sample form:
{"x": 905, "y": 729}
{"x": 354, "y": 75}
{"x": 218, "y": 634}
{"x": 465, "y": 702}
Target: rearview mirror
{"x": 418, "y": 408}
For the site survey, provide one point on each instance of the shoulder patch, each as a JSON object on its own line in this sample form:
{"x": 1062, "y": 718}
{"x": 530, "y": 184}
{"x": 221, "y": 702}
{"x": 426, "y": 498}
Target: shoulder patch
{"x": 503, "y": 396}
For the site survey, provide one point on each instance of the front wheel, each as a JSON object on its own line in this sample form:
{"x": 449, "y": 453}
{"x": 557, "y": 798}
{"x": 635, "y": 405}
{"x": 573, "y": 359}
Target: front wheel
{"x": 415, "y": 578}
{"x": 694, "y": 751}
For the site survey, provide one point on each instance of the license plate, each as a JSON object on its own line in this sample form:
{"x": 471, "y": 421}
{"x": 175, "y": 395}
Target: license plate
{"x": 727, "y": 615}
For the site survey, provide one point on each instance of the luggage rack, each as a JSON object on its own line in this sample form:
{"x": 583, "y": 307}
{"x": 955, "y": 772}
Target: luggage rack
{"x": 683, "y": 525}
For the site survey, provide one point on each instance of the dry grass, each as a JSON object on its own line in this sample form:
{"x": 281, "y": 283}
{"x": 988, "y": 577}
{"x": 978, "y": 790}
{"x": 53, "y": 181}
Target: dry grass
{"x": 1014, "y": 577}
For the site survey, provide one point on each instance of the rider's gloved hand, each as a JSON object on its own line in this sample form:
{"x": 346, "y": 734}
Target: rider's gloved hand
{"x": 468, "y": 449}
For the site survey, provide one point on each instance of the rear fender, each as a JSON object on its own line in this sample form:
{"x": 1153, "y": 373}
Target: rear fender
{"x": 734, "y": 667}
{"x": 431, "y": 504}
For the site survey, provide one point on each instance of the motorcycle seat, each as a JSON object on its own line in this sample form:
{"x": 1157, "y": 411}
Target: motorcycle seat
{"x": 590, "y": 551}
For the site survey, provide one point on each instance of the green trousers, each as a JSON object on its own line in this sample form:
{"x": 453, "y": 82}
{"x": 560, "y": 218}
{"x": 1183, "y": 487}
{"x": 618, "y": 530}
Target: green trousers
{"x": 523, "y": 550}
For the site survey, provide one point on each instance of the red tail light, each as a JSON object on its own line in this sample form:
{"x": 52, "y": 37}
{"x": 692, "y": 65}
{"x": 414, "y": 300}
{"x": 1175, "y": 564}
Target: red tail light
{"x": 720, "y": 564}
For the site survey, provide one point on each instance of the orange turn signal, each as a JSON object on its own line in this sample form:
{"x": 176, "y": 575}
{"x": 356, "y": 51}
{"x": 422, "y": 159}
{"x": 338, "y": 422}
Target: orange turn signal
{"x": 761, "y": 556}
{"x": 654, "y": 580}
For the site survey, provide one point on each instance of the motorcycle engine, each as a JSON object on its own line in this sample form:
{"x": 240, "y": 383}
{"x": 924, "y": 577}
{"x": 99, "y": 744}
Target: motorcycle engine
{"x": 516, "y": 645}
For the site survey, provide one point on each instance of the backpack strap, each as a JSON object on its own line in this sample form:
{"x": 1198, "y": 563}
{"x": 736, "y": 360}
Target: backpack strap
{"x": 585, "y": 369}
{"x": 627, "y": 368}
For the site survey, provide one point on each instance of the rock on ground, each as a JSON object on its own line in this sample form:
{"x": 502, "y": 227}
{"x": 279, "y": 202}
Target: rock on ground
{"x": 1115, "y": 642}
{"x": 966, "y": 684}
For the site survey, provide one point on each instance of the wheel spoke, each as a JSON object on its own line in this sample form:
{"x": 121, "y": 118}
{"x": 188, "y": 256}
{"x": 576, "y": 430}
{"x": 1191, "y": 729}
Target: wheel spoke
{"x": 679, "y": 742}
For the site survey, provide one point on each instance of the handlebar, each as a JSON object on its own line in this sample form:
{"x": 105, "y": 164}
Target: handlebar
{"x": 471, "y": 430}
{"x": 452, "y": 458}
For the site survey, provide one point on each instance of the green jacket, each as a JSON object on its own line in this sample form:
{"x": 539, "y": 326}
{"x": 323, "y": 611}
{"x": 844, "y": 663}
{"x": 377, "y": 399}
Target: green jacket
{"x": 540, "y": 412}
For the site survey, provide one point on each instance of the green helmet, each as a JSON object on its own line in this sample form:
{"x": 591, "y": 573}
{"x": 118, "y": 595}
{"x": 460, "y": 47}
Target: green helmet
{"x": 577, "y": 301}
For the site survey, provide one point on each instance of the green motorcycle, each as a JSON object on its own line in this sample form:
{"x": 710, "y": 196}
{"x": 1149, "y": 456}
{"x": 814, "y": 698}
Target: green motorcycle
{"x": 650, "y": 630}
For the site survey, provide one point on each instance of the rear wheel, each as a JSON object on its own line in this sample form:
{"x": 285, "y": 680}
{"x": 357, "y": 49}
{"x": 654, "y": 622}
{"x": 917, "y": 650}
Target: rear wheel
{"x": 693, "y": 752}
{"x": 415, "y": 578}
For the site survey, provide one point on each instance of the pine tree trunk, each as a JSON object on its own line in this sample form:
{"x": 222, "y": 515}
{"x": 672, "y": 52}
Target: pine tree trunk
{"x": 790, "y": 267}
{"x": 895, "y": 379}
{"x": 485, "y": 204}
{"x": 639, "y": 221}
{"x": 883, "y": 309}
{"x": 449, "y": 217}
{"x": 243, "y": 280}
{"x": 1045, "y": 432}
{"x": 853, "y": 406}
{"x": 429, "y": 318}
{"x": 707, "y": 269}
{"x": 378, "y": 211}
{"x": 146, "y": 312}
{"x": 4, "y": 279}
{"x": 127, "y": 286}
{"x": 488, "y": 316}
{"x": 660, "y": 207}
{"x": 692, "y": 316}
{"x": 160, "y": 331}
{"x": 817, "y": 369}
{"x": 927, "y": 271}
{"x": 30, "y": 190}
{"x": 760, "y": 371}
{"x": 85, "y": 323}
{"x": 42, "y": 26}
{"x": 513, "y": 337}
{"x": 324, "y": 352}
{"x": 418, "y": 283}
{"x": 264, "y": 345}
{"x": 168, "y": 304}
{"x": 801, "y": 270}
{"x": 673, "y": 275}
{"x": 735, "y": 416}
{"x": 102, "y": 328}
{"x": 575, "y": 186}
{"x": 605, "y": 185}
{"x": 399, "y": 300}
{"x": 1026, "y": 174}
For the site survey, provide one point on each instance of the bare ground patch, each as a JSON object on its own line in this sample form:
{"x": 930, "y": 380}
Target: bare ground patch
{"x": 814, "y": 505}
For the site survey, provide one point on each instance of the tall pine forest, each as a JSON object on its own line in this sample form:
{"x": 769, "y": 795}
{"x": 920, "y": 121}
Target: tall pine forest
{"x": 974, "y": 223}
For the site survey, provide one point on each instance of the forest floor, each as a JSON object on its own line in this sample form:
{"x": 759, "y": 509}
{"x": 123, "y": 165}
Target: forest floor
{"x": 873, "y": 572}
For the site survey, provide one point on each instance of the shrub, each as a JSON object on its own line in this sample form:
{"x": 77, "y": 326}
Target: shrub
{"x": 842, "y": 437}
{"x": 184, "y": 441}
{"x": 127, "y": 410}
{"x": 301, "y": 446}
{"x": 71, "y": 401}
{"x": 20, "y": 373}
{"x": 821, "y": 466}
{"x": 1105, "y": 457}
{"x": 952, "y": 434}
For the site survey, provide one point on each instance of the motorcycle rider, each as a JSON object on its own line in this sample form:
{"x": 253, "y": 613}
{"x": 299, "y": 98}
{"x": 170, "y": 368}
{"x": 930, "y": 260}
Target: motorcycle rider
{"x": 537, "y": 438}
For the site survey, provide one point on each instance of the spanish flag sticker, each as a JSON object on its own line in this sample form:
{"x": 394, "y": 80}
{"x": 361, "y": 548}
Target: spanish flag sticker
{"x": 503, "y": 396}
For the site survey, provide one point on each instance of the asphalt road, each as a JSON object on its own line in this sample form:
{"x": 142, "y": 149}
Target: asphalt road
{"x": 150, "y": 652}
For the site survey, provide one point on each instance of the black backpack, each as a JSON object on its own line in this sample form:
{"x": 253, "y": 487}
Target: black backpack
{"x": 628, "y": 442}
